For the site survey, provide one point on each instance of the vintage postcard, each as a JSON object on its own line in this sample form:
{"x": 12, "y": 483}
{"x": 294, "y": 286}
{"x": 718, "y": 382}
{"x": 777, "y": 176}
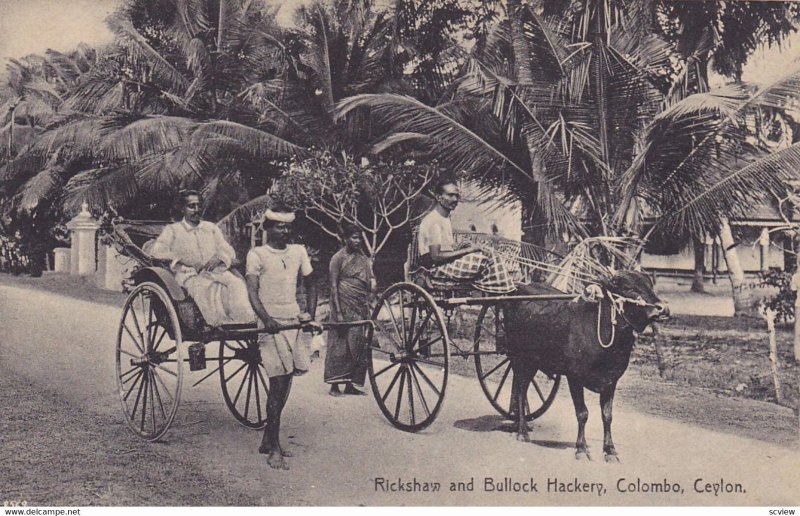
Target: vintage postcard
{"x": 412, "y": 253}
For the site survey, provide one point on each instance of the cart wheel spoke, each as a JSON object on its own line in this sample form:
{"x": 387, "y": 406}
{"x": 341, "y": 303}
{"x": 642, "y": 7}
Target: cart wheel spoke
{"x": 400, "y": 393}
{"x": 135, "y": 383}
{"x": 433, "y": 363}
{"x": 129, "y": 372}
{"x": 398, "y": 374}
{"x": 422, "y": 328}
{"x": 394, "y": 364}
{"x": 418, "y": 388}
{"x": 168, "y": 371}
{"x": 411, "y": 397}
{"x": 397, "y": 331}
{"x": 160, "y": 339}
{"x": 502, "y": 382}
{"x": 262, "y": 379}
{"x": 425, "y": 377}
{"x": 228, "y": 379}
{"x": 250, "y": 379}
{"x": 494, "y": 370}
{"x": 538, "y": 389}
{"x": 158, "y": 397}
{"x": 161, "y": 382}
{"x": 403, "y": 317}
{"x": 136, "y": 341}
{"x": 241, "y": 386}
{"x": 428, "y": 344}
{"x": 422, "y": 353}
{"x": 146, "y": 384}
{"x": 152, "y": 401}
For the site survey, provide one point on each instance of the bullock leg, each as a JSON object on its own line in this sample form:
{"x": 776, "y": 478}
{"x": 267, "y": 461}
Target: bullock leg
{"x": 606, "y": 402}
{"x": 523, "y": 374}
{"x": 582, "y": 414}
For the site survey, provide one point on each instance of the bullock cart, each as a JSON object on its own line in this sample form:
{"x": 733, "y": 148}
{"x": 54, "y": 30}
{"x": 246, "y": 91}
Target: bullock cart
{"x": 162, "y": 333}
{"x": 414, "y": 337}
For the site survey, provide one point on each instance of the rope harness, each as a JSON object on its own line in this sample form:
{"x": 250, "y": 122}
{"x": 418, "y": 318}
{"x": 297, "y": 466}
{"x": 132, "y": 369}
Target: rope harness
{"x": 617, "y": 307}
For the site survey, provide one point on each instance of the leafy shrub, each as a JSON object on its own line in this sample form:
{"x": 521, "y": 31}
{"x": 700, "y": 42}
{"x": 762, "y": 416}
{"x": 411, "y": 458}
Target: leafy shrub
{"x": 783, "y": 301}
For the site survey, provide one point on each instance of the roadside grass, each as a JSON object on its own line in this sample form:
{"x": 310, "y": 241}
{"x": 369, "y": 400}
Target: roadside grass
{"x": 58, "y": 454}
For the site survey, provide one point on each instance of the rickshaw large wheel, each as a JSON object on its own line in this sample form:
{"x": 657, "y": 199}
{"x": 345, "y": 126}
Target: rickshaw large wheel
{"x": 244, "y": 381}
{"x": 149, "y": 361}
{"x": 409, "y": 356}
{"x": 494, "y": 369}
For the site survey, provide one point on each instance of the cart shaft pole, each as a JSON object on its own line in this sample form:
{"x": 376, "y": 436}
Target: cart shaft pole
{"x": 498, "y": 299}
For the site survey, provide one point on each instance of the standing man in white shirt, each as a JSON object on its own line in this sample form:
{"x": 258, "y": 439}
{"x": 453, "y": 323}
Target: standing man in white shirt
{"x": 272, "y": 273}
{"x": 464, "y": 262}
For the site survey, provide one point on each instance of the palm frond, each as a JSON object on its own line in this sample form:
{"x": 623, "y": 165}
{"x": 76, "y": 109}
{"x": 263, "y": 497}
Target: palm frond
{"x": 729, "y": 194}
{"x": 396, "y": 139}
{"x": 82, "y": 134}
{"x": 256, "y": 143}
{"x": 458, "y": 147}
{"x": 139, "y": 47}
{"x": 198, "y": 58}
{"x": 40, "y": 187}
{"x": 102, "y": 188}
{"x": 146, "y": 137}
{"x": 234, "y": 222}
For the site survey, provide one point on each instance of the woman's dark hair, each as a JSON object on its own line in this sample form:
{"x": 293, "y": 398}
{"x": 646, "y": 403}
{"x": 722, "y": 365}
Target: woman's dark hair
{"x": 347, "y": 229}
{"x": 438, "y": 188}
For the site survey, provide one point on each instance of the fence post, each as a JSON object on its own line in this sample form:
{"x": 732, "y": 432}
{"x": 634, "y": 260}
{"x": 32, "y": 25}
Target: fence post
{"x": 769, "y": 315}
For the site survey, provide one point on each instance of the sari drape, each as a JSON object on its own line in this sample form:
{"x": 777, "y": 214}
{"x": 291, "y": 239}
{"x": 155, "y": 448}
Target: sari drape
{"x": 346, "y": 359}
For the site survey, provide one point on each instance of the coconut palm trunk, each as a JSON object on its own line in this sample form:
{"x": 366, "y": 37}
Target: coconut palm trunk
{"x": 741, "y": 296}
{"x": 699, "y": 265}
{"x": 10, "y": 153}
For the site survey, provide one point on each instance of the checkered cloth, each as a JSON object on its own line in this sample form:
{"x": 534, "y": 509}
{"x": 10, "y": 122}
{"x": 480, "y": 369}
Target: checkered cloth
{"x": 483, "y": 269}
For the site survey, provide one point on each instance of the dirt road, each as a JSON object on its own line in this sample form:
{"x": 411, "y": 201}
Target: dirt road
{"x": 346, "y": 453}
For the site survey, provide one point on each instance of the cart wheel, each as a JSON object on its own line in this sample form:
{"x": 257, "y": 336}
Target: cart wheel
{"x": 244, "y": 381}
{"x": 494, "y": 369}
{"x": 409, "y": 356}
{"x": 149, "y": 361}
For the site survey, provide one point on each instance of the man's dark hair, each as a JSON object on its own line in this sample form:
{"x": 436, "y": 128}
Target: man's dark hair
{"x": 185, "y": 194}
{"x": 438, "y": 188}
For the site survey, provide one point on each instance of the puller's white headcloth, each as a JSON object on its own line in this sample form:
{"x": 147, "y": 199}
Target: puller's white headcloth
{"x": 279, "y": 216}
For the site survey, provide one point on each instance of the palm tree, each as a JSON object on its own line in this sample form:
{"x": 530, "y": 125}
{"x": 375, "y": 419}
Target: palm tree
{"x": 594, "y": 111}
{"x": 172, "y": 104}
{"x": 725, "y": 35}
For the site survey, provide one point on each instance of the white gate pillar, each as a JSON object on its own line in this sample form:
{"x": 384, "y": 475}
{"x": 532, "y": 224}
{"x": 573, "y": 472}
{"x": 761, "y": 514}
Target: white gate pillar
{"x": 83, "y": 229}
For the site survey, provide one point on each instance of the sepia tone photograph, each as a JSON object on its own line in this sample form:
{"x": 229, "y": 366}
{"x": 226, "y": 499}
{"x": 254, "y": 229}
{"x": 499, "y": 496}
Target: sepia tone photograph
{"x": 314, "y": 253}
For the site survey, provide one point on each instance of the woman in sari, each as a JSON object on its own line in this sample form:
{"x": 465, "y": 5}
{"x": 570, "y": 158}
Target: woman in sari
{"x": 351, "y": 283}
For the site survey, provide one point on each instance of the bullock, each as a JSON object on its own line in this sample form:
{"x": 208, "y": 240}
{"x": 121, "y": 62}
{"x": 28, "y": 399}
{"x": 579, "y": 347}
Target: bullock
{"x": 565, "y": 338}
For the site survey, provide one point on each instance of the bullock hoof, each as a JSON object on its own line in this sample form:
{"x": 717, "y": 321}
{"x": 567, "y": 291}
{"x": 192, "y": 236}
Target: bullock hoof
{"x": 582, "y": 455}
{"x": 523, "y": 438}
{"x": 612, "y": 458}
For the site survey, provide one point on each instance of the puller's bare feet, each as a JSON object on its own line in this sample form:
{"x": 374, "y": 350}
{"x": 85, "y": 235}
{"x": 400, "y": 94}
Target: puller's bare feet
{"x": 267, "y": 450}
{"x": 276, "y": 460}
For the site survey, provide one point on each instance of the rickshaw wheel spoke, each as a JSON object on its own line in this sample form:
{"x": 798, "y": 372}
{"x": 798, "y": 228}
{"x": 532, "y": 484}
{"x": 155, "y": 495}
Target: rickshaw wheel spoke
{"x": 246, "y": 357}
{"x": 139, "y": 364}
